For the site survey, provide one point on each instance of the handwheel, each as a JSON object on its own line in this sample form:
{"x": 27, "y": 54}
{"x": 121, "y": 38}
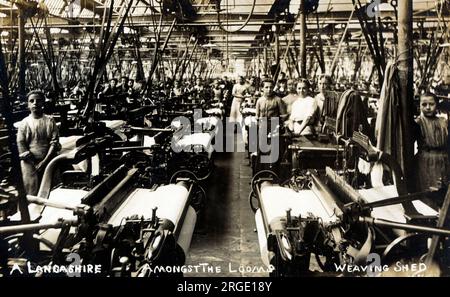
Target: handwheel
{"x": 251, "y": 198}
{"x": 198, "y": 200}
{"x": 399, "y": 248}
{"x": 263, "y": 173}
{"x": 201, "y": 165}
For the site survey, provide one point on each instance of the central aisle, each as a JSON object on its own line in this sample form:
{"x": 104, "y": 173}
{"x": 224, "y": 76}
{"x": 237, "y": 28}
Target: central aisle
{"x": 225, "y": 233}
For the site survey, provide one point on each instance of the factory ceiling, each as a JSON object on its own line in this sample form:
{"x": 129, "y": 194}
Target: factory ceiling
{"x": 227, "y": 28}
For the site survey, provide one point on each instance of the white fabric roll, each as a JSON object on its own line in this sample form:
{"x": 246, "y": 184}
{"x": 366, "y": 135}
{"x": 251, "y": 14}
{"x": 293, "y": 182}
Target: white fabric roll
{"x": 276, "y": 200}
{"x": 70, "y": 197}
{"x": 392, "y": 212}
{"x": 262, "y": 238}
{"x": 187, "y": 142}
{"x": 170, "y": 201}
{"x": 185, "y": 237}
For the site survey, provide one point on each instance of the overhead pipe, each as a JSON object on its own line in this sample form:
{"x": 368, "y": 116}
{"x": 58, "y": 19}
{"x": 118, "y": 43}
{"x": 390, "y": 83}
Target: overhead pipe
{"x": 22, "y": 65}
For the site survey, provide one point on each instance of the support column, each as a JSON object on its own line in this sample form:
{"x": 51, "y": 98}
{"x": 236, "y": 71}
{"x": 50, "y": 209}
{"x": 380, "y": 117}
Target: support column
{"x": 258, "y": 71}
{"x": 302, "y": 39}
{"x": 405, "y": 72}
{"x": 265, "y": 59}
{"x": 277, "y": 52}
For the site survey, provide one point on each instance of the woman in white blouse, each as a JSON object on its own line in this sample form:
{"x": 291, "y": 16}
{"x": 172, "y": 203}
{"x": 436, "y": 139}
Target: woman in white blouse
{"x": 304, "y": 111}
{"x": 239, "y": 92}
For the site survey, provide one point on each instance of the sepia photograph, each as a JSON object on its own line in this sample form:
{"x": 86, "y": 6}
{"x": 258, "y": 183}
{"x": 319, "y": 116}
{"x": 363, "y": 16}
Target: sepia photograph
{"x": 223, "y": 145}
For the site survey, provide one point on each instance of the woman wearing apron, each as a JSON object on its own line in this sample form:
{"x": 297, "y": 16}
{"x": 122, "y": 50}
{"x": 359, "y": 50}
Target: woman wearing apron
{"x": 239, "y": 91}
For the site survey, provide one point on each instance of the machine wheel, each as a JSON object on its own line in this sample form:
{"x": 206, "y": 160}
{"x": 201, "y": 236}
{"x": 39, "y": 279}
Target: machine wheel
{"x": 15, "y": 248}
{"x": 133, "y": 157}
{"x": 329, "y": 264}
{"x": 251, "y": 199}
{"x": 399, "y": 248}
{"x": 198, "y": 200}
{"x": 296, "y": 267}
{"x": 201, "y": 166}
{"x": 263, "y": 173}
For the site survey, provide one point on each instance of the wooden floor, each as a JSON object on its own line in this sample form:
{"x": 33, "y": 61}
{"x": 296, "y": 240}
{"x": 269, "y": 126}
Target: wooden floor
{"x": 225, "y": 236}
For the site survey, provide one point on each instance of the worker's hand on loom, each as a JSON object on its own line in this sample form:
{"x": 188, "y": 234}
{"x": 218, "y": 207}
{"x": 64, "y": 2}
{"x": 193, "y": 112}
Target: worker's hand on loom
{"x": 41, "y": 166}
{"x": 26, "y": 156}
